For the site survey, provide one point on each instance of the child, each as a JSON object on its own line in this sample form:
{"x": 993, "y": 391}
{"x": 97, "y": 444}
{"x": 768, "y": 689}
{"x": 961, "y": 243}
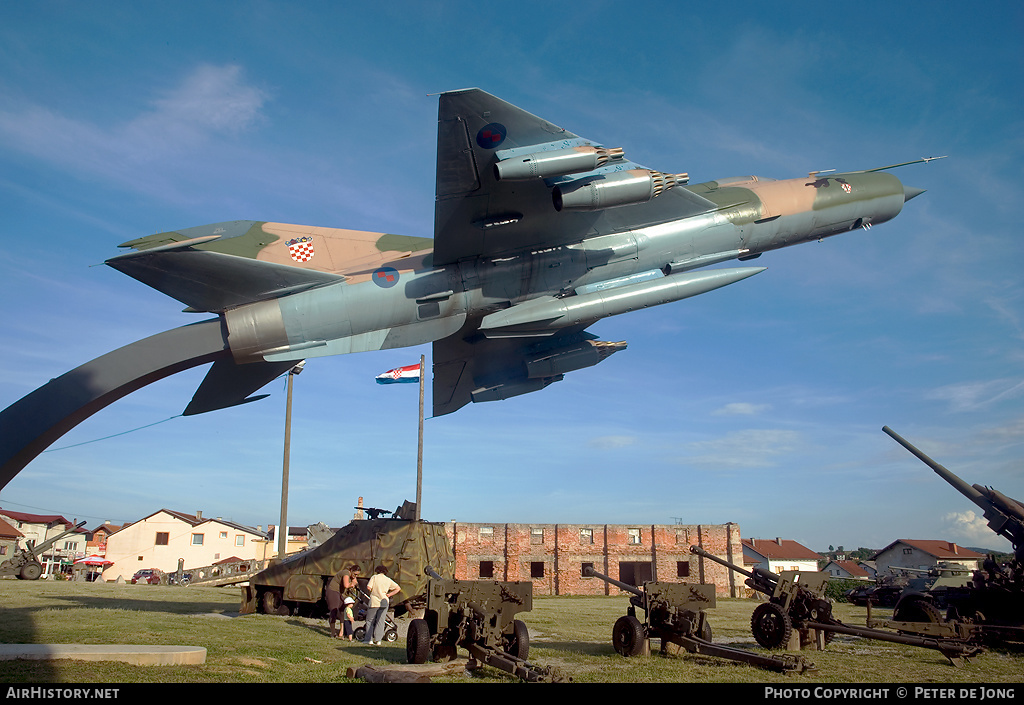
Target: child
{"x": 349, "y": 619}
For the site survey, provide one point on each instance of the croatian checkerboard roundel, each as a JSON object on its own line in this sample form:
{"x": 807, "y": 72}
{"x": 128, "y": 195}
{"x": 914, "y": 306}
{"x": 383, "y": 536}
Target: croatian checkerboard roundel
{"x": 490, "y": 136}
{"x": 385, "y": 277}
{"x": 301, "y": 248}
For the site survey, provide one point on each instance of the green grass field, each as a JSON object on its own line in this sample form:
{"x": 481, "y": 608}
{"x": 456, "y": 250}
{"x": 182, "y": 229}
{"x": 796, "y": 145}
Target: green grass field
{"x": 572, "y": 634}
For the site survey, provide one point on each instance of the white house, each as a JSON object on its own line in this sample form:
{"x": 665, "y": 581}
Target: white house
{"x": 37, "y": 528}
{"x": 162, "y": 538}
{"x": 850, "y": 570}
{"x": 9, "y": 540}
{"x": 778, "y": 555}
{"x": 924, "y": 554}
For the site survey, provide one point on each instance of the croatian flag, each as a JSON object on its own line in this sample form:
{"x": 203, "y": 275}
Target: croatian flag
{"x": 409, "y": 373}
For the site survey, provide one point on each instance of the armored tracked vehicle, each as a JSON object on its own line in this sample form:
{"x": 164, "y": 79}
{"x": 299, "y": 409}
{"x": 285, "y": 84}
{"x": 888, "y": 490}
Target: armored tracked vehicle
{"x": 296, "y": 584}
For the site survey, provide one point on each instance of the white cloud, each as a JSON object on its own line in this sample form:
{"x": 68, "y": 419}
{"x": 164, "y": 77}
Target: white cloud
{"x": 975, "y": 396}
{"x": 211, "y": 98}
{"x": 968, "y": 526}
{"x": 741, "y": 409}
{"x": 752, "y": 448}
{"x": 1010, "y": 313}
{"x": 211, "y": 101}
{"x": 1010, "y": 432}
{"x": 609, "y": 442}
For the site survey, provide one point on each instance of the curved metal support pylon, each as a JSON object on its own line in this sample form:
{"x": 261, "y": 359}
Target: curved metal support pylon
{"x": 31, "y": 424}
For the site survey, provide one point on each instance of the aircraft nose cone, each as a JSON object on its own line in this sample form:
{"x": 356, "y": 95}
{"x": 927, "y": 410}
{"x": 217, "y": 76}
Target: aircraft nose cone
{"x": 911, "y": 192}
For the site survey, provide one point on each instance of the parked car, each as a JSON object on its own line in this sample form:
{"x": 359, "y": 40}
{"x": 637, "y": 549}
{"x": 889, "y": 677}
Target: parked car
{"x": 149, "y": 576}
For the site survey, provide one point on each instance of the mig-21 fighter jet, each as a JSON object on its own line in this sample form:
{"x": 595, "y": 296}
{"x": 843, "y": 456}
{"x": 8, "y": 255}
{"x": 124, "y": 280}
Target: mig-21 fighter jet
{"x": 538, "y": 233}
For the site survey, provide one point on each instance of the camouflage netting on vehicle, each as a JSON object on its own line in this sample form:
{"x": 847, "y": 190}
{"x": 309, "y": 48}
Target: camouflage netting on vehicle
{"x": 405, "y": 548}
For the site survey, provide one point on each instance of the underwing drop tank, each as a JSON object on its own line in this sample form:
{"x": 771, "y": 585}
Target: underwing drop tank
{"x": 297, "y": 584}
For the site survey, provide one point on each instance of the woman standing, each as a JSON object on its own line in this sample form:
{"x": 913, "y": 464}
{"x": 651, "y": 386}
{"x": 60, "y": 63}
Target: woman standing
{"x": 344, "y": 583}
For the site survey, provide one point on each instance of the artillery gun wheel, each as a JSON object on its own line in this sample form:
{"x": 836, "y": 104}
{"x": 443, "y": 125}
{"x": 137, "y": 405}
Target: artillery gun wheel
{"x": 274, "y": 604}
{"x": 518, "y": 644}
{"x": 30, "y": 571}
{"x": 771, "y": 626}
{"x": 445, "y": 652}
{"x": 628, "y": 636}
{"x": 916, "y": 609}
{"x": 705, "y": 633}
{"x": 417, "y": 641}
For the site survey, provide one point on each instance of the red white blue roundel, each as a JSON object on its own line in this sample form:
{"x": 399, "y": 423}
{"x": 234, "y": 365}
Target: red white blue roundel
{"x": 385, "y": 277}
{"x": 490, "y": 136}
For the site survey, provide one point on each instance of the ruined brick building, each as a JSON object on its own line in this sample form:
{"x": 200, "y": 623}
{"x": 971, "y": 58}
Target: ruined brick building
{"x": 553, "y": 555}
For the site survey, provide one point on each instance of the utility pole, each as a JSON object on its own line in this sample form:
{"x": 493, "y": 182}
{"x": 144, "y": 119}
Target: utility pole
{"x": 282, "y": 529}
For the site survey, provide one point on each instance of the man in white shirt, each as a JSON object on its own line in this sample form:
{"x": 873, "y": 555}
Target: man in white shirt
{"x": 382, "y": 589}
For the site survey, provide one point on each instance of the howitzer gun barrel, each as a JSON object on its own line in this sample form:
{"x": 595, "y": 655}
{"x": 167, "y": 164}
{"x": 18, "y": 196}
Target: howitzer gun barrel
{"x": 953, "y": 649}
{"x": 590, "y": 572}
{"x": 1005, "y": 516}
{"x": 39, "y": 548}
{"x": 759, "y": 575}
{"x": 962, "y": 487}
{"x": 712, "y": 557}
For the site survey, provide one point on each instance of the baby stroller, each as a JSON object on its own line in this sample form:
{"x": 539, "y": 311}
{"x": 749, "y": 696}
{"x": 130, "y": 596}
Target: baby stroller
{"x": 390, "y": 628}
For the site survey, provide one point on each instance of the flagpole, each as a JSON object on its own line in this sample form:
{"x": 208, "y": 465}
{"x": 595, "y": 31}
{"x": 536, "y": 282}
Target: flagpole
{"x": 419, "y": 448}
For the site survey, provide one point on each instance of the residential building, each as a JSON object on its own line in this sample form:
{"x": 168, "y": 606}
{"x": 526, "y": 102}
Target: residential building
{"x": 298, "y": 540}
{"x": 849, "y": 570}
{"x": 777, "y": 555}
{"x": 97, "y": 543}
{"x": 553, "y": 556}
{"x": 38, "y": 528}
{"x": 9, "y": 538}
{"x": 869, "y": 568}
{"x": 925, "y": 554}
{"x": 163, "y": 538}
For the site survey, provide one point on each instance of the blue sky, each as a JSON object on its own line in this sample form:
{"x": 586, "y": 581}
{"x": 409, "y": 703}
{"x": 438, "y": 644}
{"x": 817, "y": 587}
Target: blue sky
{"x": 761, "y": 403}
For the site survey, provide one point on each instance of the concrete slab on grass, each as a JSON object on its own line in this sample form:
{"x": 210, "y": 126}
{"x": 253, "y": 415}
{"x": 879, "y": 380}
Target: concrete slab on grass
{"x": 127, "y": 653}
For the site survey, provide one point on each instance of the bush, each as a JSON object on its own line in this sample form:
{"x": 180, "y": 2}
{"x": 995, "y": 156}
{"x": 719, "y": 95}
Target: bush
{"x": 837, "y": 586}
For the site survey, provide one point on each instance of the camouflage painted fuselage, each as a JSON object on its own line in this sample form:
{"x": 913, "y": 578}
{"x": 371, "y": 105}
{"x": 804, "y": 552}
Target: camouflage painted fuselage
{"x": 391, "y": 295}
{"x": 379, "y": 291}
{"x": 538, "y": 233}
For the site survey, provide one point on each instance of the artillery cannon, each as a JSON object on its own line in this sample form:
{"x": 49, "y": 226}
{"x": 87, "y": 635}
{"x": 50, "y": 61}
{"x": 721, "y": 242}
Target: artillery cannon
{"x": 798, "y": 613}
{"x": 479, "y": 616}
{"x": 991, "y": 607}
{"x": 25, "y": 564}
{"x": 674, "y": 613}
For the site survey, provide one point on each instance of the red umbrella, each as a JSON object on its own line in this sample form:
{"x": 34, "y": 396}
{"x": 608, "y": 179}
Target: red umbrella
{"x": 93, "y": 560}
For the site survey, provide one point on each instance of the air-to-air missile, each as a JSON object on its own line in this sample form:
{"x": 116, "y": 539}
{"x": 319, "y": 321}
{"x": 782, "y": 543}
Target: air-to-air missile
{"x": 538, "y": 233}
